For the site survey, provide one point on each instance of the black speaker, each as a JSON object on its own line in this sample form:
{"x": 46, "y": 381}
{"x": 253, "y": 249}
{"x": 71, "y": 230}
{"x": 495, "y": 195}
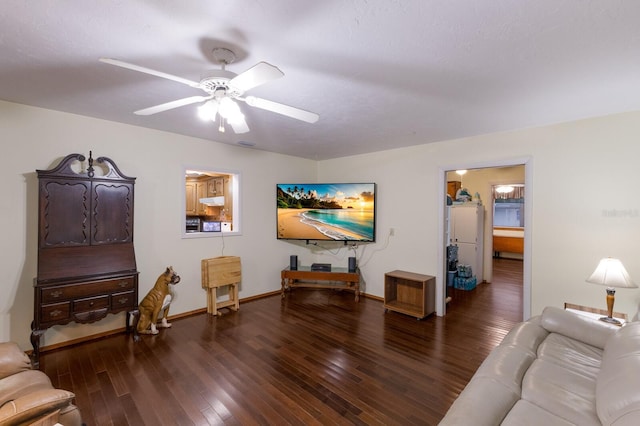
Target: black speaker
{"x": 293, "y": 262}
{"x": 352, "y": 264}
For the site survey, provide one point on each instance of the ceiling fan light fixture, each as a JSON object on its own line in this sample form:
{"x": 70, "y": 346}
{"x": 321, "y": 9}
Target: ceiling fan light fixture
{"x": 230, "y": 110}
{"x": 222, "y": 89}
{"x": 208, "y": 110}
{"x": 236, "y": 118}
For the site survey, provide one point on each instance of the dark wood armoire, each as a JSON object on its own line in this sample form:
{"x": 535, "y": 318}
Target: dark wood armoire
{"x": 86, "y": 260}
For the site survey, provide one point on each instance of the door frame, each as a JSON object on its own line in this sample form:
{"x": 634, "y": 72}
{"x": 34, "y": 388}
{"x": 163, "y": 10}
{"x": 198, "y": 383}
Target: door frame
{"x": 527, "y": 162}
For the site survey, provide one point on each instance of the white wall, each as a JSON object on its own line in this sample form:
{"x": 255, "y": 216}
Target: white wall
{"x": 582, "y": 199}
{"x": 35, "y": 138}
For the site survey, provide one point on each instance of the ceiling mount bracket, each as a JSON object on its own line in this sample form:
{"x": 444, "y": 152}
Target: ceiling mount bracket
{"x": 223, "y": 56}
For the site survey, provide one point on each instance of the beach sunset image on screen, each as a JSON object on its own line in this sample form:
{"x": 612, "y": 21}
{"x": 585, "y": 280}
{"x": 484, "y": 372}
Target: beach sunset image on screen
{"x": 326, "y": 211}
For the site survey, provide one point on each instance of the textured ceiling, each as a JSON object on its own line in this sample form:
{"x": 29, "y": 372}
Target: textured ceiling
{"x": 381, "y": 74}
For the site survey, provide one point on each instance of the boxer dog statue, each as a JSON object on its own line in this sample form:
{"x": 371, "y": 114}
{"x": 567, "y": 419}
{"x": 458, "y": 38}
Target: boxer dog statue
{"x": 156, "y": 303}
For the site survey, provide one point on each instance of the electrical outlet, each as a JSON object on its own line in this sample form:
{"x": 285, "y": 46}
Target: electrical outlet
{"x": 392, "y": 232}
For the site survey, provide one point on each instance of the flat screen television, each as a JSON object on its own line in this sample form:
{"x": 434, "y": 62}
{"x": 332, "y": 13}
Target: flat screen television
{"x": 326, "y": 211}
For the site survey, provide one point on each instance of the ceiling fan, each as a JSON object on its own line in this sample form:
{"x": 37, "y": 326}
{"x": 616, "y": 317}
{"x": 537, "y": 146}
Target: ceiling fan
{"x": 222, "y": 89}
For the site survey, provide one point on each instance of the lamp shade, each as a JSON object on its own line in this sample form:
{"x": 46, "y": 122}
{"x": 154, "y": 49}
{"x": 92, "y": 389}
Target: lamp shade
{"x": 611, "y": 273}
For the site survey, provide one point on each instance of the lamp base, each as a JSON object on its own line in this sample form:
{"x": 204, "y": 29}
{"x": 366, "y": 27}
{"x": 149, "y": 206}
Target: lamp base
{"x": 610, "y": 320}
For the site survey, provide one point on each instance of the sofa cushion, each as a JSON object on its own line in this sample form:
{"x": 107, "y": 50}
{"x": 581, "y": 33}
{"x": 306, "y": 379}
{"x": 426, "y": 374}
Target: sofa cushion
{"x": 578, "y": 327}
{"x": 617, "y": 386}
{"x": 579, "y": 357}
{"x": 525, "y": 413}
{"x": 562, "y": 380}
{"x": 12, "y": 359}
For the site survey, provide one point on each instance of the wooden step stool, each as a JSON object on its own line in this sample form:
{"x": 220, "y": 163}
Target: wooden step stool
{"x": 218, "y": 272}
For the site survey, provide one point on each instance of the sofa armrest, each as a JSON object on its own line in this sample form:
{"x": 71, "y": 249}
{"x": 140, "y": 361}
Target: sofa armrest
{"x": 617, "y": 396}
{"x": 496, "y": 385}
{"x": 577, "y": 327}
{"x": 12, "y": 359}
{"x": 33, "y": 405}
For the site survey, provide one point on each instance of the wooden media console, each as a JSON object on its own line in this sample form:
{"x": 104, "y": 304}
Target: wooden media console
{"x": 337, "y": 278}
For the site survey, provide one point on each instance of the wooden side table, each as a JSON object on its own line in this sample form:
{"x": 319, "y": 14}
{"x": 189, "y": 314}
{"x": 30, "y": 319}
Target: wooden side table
{"x": 409, "y": 293}
{"x": 594, "y": 313}
{"x": 219, "y": 272}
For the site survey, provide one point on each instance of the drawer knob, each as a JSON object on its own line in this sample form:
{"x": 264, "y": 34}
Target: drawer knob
{"x": 56, "y": 294}
{"x": 123, "y": 300}
{"x": 55, "y": 313}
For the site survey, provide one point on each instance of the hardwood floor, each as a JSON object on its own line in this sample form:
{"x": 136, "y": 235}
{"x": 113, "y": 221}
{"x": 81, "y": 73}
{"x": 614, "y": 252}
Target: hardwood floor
{"x": 316, "y": 357}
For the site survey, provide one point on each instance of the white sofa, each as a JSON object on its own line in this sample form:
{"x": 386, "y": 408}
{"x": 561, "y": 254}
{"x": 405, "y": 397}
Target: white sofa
{"x": 559, "y": 368}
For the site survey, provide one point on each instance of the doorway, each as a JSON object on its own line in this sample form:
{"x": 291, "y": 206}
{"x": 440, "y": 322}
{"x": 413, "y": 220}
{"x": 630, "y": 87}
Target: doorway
{"x": 480, "y": 182}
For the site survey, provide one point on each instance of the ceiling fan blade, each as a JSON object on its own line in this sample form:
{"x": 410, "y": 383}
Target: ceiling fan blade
{"x": 289, "y": 111}
{"x": 239, "y": 125}
{"x": 161, "y": 74}
{"x": 170, "y": 105}
{"x": 258, "y": 74}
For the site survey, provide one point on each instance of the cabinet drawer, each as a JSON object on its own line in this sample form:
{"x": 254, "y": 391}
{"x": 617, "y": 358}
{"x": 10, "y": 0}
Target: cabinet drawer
{"x": 56, "y": 312}
{"x": 90, "y": 303}
{"x": 90, "y": 316}
{"x": 125, "y": 299}
{"x": 89, "y": 288}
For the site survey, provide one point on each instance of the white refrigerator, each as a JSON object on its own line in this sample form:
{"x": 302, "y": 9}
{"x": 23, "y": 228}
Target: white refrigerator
{"x": 467, "y": 232}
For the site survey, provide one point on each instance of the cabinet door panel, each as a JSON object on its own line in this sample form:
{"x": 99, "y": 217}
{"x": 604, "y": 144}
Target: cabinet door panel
{"x": 191, "y": 195}
{"x": 64, "y": 213}
{"x": 465, "y": 225}
{"x": 201, "y": 190}
{"x": 215, "y": 187}
{"x": 467, "y": 255}
{"x": 112, "y": 213}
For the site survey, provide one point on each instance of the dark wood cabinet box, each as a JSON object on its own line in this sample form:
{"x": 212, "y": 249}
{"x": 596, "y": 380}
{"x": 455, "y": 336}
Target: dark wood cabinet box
{"x": 86, "y": 259}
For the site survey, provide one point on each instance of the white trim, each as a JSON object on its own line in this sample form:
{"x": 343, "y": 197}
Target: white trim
{"x": 236, "y": 217}
{"x": 528, "y": 220}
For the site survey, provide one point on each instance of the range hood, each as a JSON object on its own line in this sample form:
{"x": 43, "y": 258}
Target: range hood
{"x": 212, "y": 201}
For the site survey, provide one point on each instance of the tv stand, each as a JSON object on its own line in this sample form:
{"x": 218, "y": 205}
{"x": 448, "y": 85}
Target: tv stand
{"x": 337, "y": 278}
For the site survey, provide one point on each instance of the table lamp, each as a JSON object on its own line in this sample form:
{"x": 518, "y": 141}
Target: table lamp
{"x": 611, "y": 273}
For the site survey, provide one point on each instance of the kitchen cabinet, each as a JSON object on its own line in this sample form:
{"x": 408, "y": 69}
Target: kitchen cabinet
{"x": 227, "y": 213}
{"x": 86, "y": 261}
{"x": 191, "y": 194}
{"x": 194, "y": 190}
{"x": 452, "y": 188}
{"x": 466, "y": 224}
{"x": 209, "y": 187}
{"x": 215, "y": 187}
